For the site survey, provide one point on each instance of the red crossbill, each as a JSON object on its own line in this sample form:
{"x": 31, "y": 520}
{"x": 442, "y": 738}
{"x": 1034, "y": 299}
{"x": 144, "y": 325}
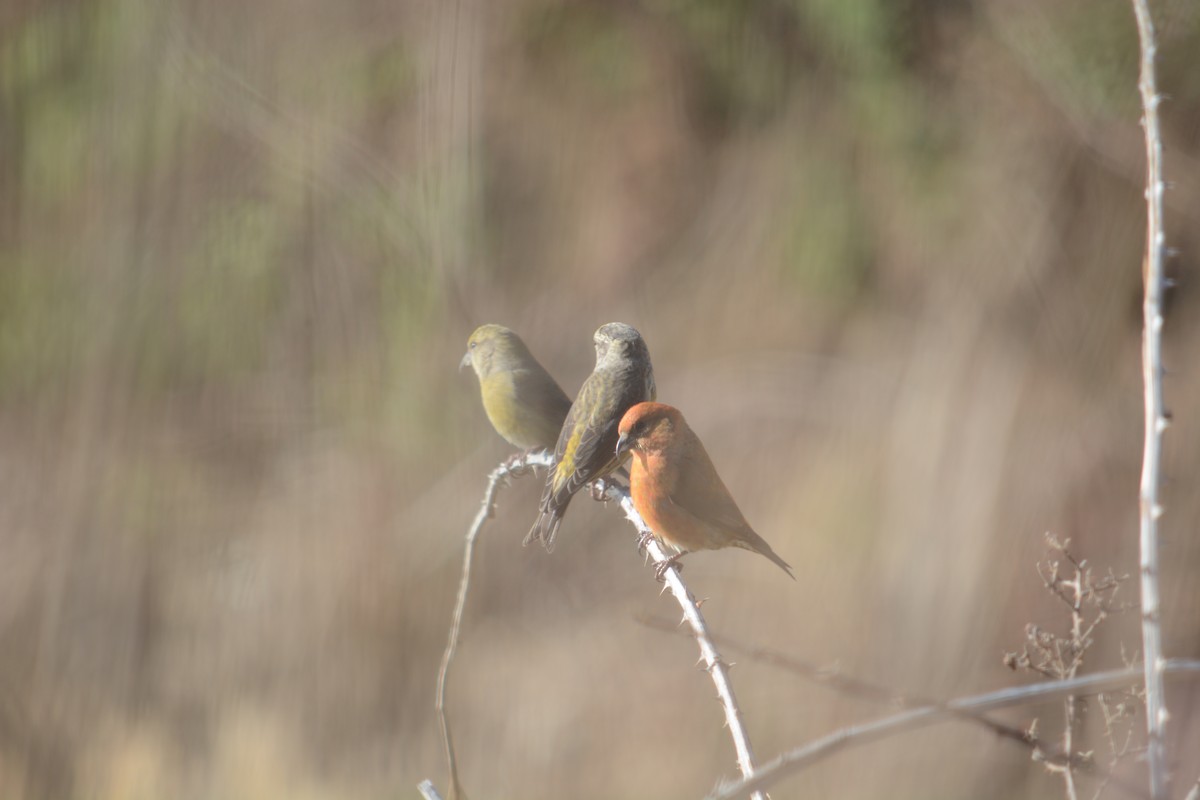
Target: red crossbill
{"x": 586, "y": 449}
{"x": 522, "y": 401}
{"x": 676, "y": 488}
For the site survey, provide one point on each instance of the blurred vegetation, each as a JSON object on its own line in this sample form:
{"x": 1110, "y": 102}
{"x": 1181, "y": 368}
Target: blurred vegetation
{"x": 886, "y": 256}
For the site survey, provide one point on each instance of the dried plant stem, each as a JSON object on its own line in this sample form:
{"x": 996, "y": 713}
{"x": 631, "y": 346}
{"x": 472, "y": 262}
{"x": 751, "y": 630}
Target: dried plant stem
{"x": 428, "y": 790}
{"x": 498, "y": 477}
{"x": 1155, "y": 412}
{"x": 715, "y": 665}
{"x": 1071, "y": 715}
{"x": 795, "y": 760}
{"x": 851, "y": 686}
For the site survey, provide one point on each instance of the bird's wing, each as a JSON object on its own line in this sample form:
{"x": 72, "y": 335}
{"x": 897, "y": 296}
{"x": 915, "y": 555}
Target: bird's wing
{"x": 587, "y": 446}
{"x": 700, "y": 491}
{"x": 545, "y": 397}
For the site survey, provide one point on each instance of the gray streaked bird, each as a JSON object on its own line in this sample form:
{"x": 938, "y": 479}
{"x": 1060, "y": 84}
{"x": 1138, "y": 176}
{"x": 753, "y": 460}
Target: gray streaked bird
{"x": 586, "y": 449}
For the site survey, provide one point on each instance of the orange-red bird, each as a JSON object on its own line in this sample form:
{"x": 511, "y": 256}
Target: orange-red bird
{"x": 676, "y": 488}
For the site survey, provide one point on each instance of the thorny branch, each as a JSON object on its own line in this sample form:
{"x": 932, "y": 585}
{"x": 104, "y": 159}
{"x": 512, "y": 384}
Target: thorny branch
{"x": 1156, "y": 418}
{"x": 717, "y": 668}
{"x": 500, "y": 476}
{"x": 428, "y": 790}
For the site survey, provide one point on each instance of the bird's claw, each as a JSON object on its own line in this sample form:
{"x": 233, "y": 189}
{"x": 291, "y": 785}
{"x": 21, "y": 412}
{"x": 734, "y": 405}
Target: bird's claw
{"x": 660, "y": 569}
{"x": 513, "y": 463}
{"x": 599, "y": 489}
{"x": 516, "y": 463}
{"x": 644, "y": 539}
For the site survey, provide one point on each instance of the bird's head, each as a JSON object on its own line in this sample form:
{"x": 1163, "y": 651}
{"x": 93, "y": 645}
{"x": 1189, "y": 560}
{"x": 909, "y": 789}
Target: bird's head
{"x": 648, "y": 427}
{"x": 618, "y": 343}
{"x": 493, "y": 348}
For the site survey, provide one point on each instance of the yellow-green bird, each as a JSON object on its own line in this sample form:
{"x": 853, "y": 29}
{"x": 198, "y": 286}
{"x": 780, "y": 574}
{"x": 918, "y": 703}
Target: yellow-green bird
{"x": 587, "y": 444}
{"x": 522, "y": 401}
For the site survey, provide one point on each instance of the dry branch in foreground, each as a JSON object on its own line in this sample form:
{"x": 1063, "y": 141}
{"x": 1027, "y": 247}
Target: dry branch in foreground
{"x": 717, "y": 669}
{"x": 1155, "y": 409}
{"x": 795, "y": 760}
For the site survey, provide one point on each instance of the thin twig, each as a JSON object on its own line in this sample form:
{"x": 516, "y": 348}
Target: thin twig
{"x": 717, "y": 668}
{"x": 1077, "y": 646}
{"x": 794, "y": 760}
{"x": 1155, "y": 412}
{"x": 851, "y": 686}
{"x": 498, "y": 477}
{"x": 428, "y": 790}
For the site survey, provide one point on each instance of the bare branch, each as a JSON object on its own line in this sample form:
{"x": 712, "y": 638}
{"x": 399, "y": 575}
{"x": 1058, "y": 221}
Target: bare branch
{"x": 851, "y": 686}
{"x": 1060, "y": 656}
{"x": 717, "y": 668}
{"x": 515, "y": 466}
{"x": 795, "y": 760}
{"x": 1155, "y": 411}
{"x": 428, "y": 790}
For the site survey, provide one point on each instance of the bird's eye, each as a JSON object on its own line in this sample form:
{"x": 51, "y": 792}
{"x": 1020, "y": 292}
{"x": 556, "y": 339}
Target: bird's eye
{"x": 471, "y": 345}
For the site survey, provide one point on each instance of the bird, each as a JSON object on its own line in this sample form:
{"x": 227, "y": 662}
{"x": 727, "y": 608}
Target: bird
{"x": 586, "y": 448}
{"x": 524, "y": 404}
{"x": 676, "y": 489}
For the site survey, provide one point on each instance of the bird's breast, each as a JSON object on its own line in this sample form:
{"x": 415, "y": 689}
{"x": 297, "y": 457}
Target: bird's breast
{"x": 650, "y": 487}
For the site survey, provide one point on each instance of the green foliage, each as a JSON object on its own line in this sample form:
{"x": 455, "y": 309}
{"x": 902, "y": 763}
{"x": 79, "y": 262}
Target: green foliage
{"x": 828, "y": 247}
{"x": 855, "y": 34}
{"x": 232, "y": 288}
{"x": 47, "y": 90}
{"x": 41, "y": 327}
{"x": 1098, "y": 54}
{"x": 56, "y": 147}
{"x": 1085, "y": 55}
{"x": 389, "y": 75}
{"x": 743, "y": 64}
{"x": 587, "y": 47}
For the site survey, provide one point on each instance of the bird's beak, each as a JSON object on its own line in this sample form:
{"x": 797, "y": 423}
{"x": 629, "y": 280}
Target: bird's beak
{"x": 466, "y": 361}
{"x": 623, "y": 444}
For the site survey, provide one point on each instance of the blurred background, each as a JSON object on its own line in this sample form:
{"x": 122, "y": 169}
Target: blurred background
{"x": 886, "y": 256}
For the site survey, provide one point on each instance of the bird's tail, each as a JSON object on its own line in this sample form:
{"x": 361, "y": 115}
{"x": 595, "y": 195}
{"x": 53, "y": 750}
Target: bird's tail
{"x": 545, "y": 529}
{"x": 752, "y": 541}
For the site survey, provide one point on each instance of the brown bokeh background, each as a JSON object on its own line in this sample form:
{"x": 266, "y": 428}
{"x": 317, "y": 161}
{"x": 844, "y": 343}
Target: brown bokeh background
{"x": 887, "y": 260}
